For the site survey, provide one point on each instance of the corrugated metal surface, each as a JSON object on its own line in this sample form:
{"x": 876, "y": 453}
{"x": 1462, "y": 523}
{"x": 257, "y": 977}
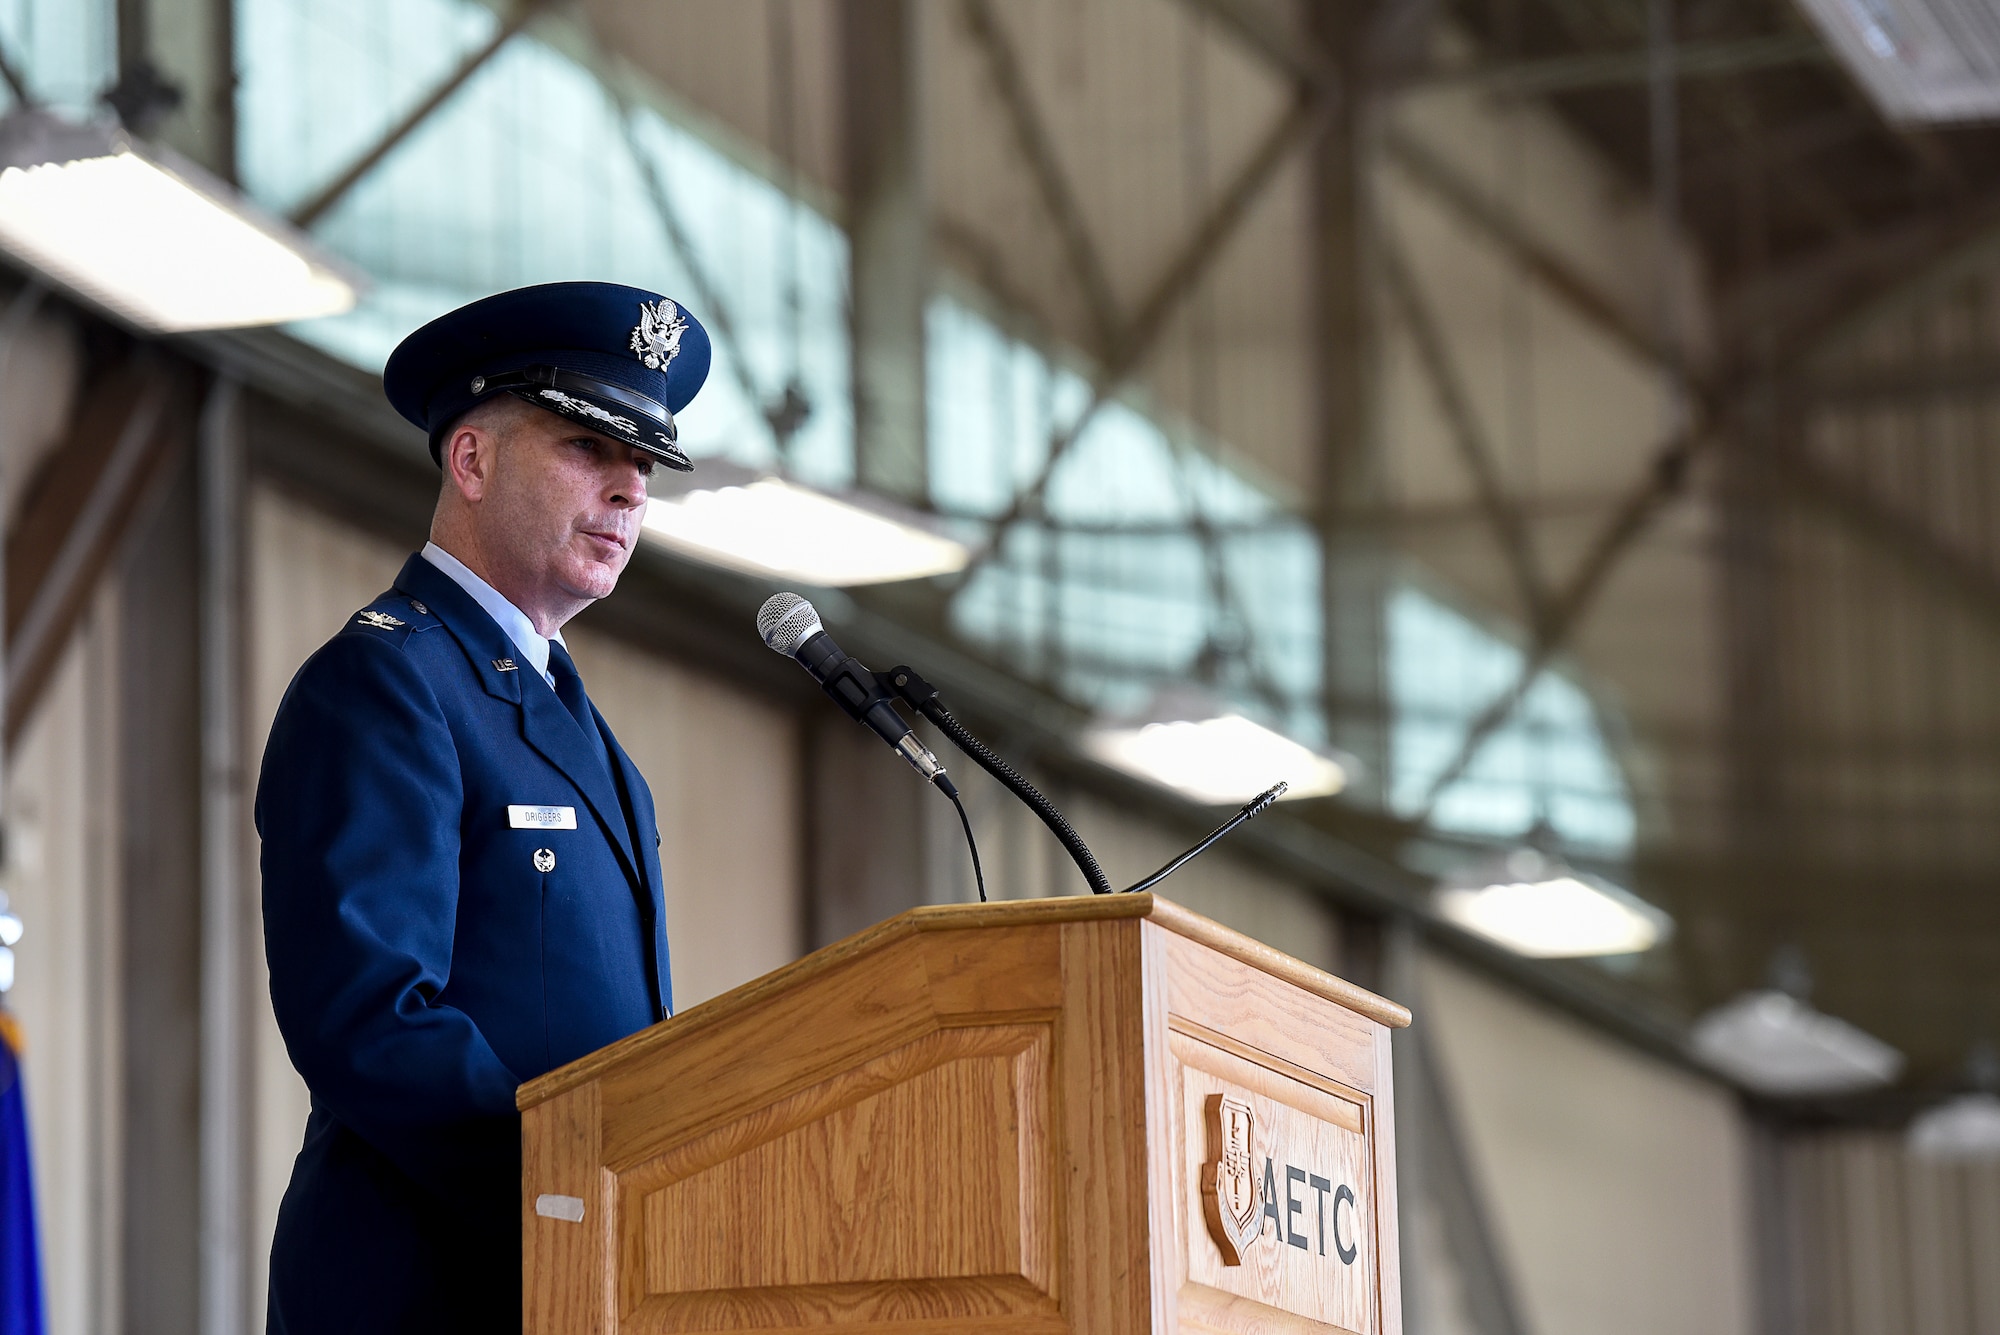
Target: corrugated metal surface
{"x": 1883, "y": 1243}
{"x": 1859, "y": 795}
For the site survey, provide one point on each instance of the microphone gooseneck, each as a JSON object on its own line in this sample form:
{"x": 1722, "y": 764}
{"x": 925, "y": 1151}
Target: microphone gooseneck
{"x": 923, "y": 697}
{"x": 1254, "y": 807}
{"x": 790, "y": 626}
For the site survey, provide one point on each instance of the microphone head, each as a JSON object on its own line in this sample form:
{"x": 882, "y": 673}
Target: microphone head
{"x": 787, "y": 621}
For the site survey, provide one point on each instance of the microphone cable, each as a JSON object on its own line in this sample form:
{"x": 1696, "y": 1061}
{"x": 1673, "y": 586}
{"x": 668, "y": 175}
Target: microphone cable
{"x": 950, "y": 790}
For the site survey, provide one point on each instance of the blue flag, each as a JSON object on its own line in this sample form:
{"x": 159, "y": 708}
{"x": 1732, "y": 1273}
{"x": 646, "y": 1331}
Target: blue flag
{"x": 20, "y": 1258}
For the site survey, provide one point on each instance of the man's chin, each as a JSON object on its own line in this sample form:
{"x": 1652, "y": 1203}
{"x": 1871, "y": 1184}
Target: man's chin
{"x": 592, "y": 579}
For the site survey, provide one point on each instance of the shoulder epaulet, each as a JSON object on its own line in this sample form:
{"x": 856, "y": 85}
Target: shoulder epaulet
{"x": 394, "y": 613}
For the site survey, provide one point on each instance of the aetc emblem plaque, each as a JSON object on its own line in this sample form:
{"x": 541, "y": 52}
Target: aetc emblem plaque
{"x": 1228, "y": 1182}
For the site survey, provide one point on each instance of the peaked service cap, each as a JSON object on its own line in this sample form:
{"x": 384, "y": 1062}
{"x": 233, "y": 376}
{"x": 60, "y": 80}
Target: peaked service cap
{"x": 619, "y": 360}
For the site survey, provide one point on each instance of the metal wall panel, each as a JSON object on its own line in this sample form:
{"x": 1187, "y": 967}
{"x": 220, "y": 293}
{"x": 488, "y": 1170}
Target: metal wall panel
{"x": 1883, "y": 1243}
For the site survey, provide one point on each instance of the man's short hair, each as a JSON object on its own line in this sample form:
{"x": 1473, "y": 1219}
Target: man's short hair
{"x": 499, "y": 415}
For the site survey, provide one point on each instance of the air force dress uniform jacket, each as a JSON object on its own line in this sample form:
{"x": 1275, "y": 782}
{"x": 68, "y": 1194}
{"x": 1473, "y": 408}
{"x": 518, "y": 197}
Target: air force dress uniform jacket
{"x": 461, "y": 883}
{"x": 458, "y": 897}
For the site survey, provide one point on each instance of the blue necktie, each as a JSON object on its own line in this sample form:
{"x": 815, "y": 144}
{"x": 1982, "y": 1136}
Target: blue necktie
{"x": 569, "y": 690}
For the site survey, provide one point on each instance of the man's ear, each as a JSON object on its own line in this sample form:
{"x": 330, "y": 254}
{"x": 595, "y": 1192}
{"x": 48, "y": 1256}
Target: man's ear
{"x": 468, "y": 460}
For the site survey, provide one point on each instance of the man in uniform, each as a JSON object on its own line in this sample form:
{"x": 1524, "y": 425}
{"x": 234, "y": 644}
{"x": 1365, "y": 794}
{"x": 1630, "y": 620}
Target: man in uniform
{"x": 461, "y": 869}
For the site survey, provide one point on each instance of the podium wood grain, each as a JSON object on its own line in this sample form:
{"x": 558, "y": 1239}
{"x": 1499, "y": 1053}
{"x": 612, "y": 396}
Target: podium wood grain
{"x": 974, "y": 1118}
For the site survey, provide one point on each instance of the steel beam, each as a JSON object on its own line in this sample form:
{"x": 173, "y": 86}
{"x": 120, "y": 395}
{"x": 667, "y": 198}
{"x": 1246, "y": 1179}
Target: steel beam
{"x": 1832, "y": 299}
{"x": 1912, "y": 544}
{"x": 1501, "y": 513}
{"x": 714, "y": 308}
{"x": 888, "y": 227}
{"x": 1899, "y": 385}
{"x": 1038, "y": 149}
{"x": 1441, "y": 181}
{"x": 1340, "y": 272}
{"x": 227, "y": 1169}
{"x": 1200, "y": 251}
{"x": 1620, "y": 69}
{"x": 1848, "y": 290}
{"x": 72, "y": 517}
{"x": 1859, "y": 510}
{"x": 1780, "y": 147}
{"x": 1305, "y": 118}
{"x": 1399, "y": 43}
{"x": 310, "y": 212}
{"x": 1663, "y": 481}
{"x": 1278, "y": 44}
{"x": 1493, "y": 220}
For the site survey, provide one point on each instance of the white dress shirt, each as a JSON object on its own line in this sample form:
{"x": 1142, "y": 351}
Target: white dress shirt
{"x": 534, "y": 646}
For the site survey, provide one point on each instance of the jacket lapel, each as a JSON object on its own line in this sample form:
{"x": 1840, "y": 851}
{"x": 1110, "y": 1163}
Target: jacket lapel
{"x": 646, "y": 830}
{"x": 546, "y": 724}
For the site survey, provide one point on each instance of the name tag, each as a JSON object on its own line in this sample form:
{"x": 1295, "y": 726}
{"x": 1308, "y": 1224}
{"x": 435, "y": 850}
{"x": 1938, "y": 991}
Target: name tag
{"x": 541, "y": 818}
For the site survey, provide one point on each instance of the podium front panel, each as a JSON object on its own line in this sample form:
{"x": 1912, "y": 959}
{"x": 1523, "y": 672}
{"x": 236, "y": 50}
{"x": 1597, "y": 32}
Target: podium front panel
{"x": 1280, "y": 1191}
{"x": 996, "y": 1119}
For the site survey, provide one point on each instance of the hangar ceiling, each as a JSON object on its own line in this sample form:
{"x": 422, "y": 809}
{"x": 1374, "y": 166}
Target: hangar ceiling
{"x": 1682, "y": 387}
{"x": 1732, "y": 470}
{"x": 1788, "y": 590}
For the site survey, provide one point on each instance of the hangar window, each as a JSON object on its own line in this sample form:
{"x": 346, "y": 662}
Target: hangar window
{"x": 491, "y": 193}
{"x": 1145, "y": 560}
{"x": 1144, "y": 557}
{"x": 67, "y": 52}
{"x": 1550, "y": 761}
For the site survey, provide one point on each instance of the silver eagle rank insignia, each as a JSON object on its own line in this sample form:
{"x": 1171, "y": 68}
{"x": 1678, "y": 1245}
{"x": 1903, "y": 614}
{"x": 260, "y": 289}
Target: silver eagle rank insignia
{"x": 657, "y": 336}
{"x": 379, "y": 620}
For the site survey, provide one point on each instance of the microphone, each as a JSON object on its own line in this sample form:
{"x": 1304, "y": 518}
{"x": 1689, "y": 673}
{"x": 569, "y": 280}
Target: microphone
{"x": 790, "y": 626}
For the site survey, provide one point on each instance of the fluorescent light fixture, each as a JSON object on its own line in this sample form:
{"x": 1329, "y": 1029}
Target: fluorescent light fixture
{"x": 1774, "y": 1043}
{"x": 1212, "y": 754}
{"x": 772, "y": 526}
{"x": 150, "y": 236}
{"x": 1537, "y": 906}
{"x": 1920, "y": 60}
{"x": 1965, "y": 1128}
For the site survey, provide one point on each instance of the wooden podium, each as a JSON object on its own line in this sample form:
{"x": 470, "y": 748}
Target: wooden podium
{"x": 1100, "y": 1115}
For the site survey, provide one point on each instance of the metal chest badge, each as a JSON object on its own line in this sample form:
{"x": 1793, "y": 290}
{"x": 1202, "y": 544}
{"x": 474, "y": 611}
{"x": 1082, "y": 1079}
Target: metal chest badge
{"x": 657, "y": 336}
{"x": 1228, "y": 1181}
{"x": 379, "y": 620}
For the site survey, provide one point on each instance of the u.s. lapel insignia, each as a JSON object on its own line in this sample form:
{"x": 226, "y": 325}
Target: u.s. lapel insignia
{"x": 379, "y": 620}
{"x": 657, "y": 336}
{"x": 1228, "y": 1181}
{"x": 419, "y": 608}
{"x": 505, "y": 665}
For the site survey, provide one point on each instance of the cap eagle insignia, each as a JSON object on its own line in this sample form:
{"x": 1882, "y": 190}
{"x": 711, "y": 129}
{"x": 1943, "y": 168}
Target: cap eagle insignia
{"x": 657, "y": 336}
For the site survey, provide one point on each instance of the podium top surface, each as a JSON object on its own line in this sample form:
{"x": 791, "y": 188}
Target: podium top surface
{"x": 1163, "y": 913}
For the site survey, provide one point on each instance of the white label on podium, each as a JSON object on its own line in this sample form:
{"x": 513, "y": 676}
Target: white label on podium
{"x": 568, "y": 1208}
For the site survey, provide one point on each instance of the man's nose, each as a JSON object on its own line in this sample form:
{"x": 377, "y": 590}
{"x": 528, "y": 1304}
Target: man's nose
{"x": 628, "y": 485}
